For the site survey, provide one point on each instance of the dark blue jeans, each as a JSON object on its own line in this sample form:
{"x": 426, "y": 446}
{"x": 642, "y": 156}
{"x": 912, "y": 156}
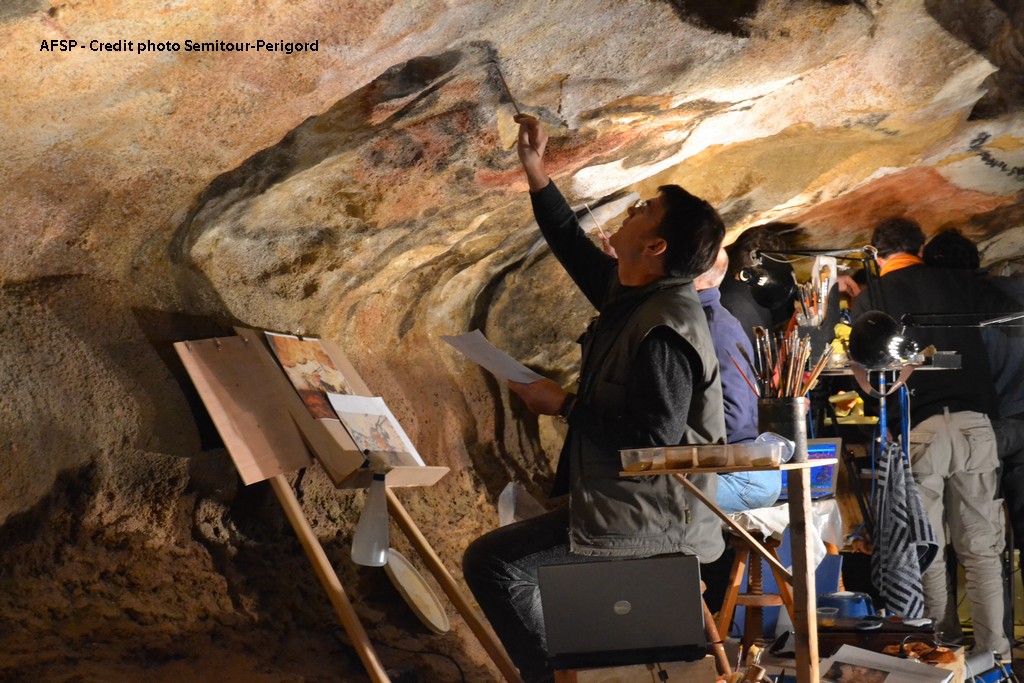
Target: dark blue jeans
{"x": 500, "y": 568}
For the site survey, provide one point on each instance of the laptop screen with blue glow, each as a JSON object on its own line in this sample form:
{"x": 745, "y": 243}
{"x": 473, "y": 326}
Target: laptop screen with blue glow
{"x": 823, "y": 477}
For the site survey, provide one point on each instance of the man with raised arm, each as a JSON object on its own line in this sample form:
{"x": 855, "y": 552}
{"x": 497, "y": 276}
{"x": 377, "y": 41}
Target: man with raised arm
{"x": 648, "y": 377}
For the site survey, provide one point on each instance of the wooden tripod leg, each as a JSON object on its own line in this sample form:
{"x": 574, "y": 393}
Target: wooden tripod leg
{"x": 462, "y": 603}
{"x": 329, "y": 579}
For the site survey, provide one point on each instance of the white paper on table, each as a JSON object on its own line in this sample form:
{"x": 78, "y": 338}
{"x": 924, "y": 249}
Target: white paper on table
{"x": 373, "y": 427}
{"x": 474, "y": 346}
{"x": 893, "y": 669}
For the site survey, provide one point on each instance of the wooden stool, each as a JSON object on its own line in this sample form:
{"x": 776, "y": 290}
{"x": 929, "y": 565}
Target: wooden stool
{"x": 754, "y": 599}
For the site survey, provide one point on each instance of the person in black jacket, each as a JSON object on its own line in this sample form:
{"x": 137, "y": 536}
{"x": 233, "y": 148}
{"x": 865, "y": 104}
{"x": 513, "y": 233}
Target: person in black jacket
{"x": 738, "y": 296}
{"x": 952, "y": 249}
{"x": 649, "y": 376}
{"x": 952, "y": 446}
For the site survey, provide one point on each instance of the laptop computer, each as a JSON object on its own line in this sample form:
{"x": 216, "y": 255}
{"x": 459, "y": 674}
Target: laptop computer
{"x": 621, "y": 612}
{"x": 823, "y": 477}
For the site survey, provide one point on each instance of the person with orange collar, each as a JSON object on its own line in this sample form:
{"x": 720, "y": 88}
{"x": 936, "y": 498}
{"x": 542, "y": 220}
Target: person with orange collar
{"x": 952, "y": 446}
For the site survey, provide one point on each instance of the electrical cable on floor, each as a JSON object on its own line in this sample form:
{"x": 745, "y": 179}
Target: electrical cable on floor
{"x": 462, "y": 674}
{"x": 339, "y": 631}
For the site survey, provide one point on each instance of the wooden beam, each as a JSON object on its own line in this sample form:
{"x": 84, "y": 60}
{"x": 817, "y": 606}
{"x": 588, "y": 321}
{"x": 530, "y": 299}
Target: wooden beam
{"x": 805, "y": 624}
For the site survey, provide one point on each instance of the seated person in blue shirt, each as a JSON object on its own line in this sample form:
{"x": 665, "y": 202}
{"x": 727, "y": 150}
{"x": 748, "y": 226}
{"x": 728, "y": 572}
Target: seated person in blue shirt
{"x": 737, "y": 491}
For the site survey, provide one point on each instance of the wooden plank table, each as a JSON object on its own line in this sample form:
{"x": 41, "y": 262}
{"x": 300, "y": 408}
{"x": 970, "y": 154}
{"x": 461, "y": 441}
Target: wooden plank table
{"x": 805, "y": 625}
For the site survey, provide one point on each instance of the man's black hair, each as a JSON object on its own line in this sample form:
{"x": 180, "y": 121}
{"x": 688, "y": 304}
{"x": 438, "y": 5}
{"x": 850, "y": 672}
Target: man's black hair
{"x": 895, "y": 235}
{"x": 950, "y": 249}
{"x": 692, "y": 231}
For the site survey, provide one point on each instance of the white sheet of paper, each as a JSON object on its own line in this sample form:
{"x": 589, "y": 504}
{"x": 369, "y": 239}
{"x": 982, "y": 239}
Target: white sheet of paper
{"x": 899, "y": 670}
{"x": 474, "y": 346}
{"x": 344, "y": 405}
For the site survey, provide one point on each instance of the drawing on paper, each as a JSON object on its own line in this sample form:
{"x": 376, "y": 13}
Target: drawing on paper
{"x": 375, "y": 431}
{"x": 372, "y": 432}
{"x": 842, "y": 672}
{"x": 311, "y": 371}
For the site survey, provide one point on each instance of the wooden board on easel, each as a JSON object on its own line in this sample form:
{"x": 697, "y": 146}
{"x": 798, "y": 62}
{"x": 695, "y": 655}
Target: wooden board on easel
{"x": 332, "y": 445}
{"x": 244, "y": 396}
{"x": 244, "y": 401}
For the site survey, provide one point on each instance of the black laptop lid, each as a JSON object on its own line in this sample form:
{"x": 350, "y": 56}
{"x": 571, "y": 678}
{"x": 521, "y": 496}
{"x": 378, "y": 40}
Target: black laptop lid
{"x": 623, "y": 611}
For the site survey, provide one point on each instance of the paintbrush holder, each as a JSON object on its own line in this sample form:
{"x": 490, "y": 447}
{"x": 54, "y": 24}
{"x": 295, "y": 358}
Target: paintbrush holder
{"x": 788, "y": 417}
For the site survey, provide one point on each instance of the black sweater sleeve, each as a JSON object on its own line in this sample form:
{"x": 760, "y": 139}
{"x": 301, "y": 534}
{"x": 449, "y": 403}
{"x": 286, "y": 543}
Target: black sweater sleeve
{"x": 590, "y": 268}
{"x": 657, "y": 401}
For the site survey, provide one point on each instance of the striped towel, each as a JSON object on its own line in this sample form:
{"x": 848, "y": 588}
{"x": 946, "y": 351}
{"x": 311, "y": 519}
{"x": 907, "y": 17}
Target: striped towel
{"x": 904, "y": 540}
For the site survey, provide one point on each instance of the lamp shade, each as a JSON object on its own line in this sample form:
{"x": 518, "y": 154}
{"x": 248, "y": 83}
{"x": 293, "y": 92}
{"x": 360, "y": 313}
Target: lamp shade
{"x": 772, "y": 283}
{"x": 876, "y": 340}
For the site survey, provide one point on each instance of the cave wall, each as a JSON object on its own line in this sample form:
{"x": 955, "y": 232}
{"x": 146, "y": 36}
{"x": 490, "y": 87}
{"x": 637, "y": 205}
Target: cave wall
{"x": 368, "y": 192}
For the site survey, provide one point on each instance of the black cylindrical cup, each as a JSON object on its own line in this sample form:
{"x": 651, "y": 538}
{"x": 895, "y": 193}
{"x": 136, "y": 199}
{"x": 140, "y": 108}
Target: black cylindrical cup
{"x": 788, "y": 417}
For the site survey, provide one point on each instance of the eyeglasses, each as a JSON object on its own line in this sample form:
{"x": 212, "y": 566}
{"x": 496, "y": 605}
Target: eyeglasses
{"x": 639, "y": 204}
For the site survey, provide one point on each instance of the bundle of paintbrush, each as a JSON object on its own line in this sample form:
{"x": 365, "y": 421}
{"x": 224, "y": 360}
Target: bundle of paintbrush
{"x": 812, "y": 297}
{"x": 782, "y": 367}
{"x": 810, "y": 305}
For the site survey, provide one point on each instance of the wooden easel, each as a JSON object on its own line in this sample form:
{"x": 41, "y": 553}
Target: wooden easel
{"x": 269, "y": 433}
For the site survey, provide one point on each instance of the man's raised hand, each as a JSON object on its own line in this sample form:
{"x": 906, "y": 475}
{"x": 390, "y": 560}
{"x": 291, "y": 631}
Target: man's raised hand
{"x": 533, "y": 139}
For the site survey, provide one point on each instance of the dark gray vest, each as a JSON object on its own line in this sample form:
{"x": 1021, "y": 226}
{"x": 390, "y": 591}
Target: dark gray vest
{"x": 639, "y": 516}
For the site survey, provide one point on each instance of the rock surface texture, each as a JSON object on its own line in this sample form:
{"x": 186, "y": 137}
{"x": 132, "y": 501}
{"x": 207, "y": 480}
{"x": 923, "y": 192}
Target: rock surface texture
{"x": 368, "y": 192}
